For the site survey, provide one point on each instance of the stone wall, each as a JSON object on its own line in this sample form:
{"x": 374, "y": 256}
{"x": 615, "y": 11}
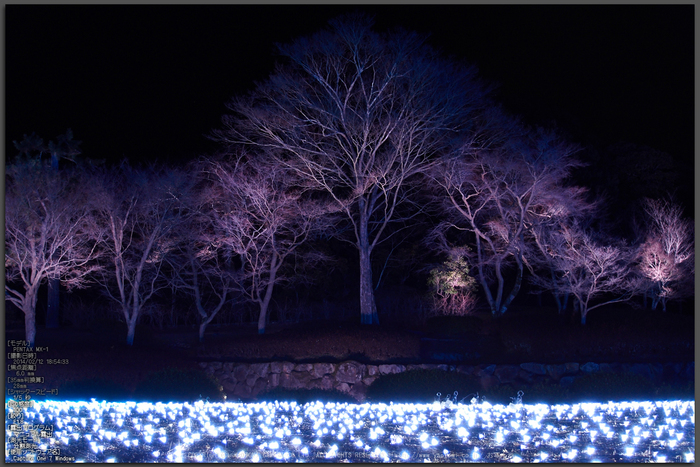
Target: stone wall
{"x": 246, "y": 380}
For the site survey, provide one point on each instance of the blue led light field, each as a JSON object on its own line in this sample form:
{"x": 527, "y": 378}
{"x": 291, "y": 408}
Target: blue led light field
{"x": 662, "y": 431}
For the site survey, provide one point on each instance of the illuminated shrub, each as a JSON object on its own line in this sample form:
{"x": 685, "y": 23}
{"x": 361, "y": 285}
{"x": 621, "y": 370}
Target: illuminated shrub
{"x": 422, "y": 386}
{"x": 93, "y": 388}
{"x": 303, "y": 396}
{"x": 178, "y": 385}
{"x": 452, "y": 286}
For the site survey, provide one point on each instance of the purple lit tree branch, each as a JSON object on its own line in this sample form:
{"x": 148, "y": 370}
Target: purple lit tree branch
{"x": 499, "y": 196}
{"x": 48, "y": 233}
{"x": 260, "y": 213}
{"x": 589, "y": 267}
{"x": 667, "y": 256}
{"x": 139, "y": 211}
{"x": 357, "y": 115}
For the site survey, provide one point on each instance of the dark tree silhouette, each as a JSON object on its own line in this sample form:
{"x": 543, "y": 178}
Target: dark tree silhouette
{"x": 199, "y": 263}
{"x": 357, "y": 114}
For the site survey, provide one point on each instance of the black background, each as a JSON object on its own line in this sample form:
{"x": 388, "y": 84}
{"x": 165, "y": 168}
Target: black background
{"x": 149, "y": 82}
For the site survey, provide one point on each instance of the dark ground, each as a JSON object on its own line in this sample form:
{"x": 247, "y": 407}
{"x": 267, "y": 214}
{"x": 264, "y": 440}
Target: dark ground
{"x": 620, "y": 334}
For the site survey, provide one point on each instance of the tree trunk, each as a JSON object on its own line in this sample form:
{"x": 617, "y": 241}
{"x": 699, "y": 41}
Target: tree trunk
{"x": 265, "y": 303}
{"x": 262, "y": 318}
{"x": 654, "y": 301}
{"x": 30, "y": 322}
{"x": 202, "y": 327}
{"x": 131, "y": 326}
{"x": 53, "y": 303}
{"x": 368, "y": 307}
{"x": 500, "y": 285}
{"x": 514, "y": 291}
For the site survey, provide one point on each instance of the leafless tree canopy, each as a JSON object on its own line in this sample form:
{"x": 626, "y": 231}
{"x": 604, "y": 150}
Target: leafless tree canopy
{"x": 357, "y": 114}
{"x": 501, "y": 196}
{"x": 260, "y": 214}
{"x": 590, "y": 267}
{"x": 48, "y": 233}
{"x": 138, "y": 211}
{"x": 667, "y": 256}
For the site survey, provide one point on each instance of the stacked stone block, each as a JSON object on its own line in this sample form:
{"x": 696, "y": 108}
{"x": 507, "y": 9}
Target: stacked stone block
{"x": 246, "y": 380}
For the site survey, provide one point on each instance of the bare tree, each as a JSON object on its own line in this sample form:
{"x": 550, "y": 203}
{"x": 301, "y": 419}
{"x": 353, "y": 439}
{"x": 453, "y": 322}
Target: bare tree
{"x": 358, "y": 114}
{"x": 199, "y": 263}
{"x": 666, "y": 257}
{"x": 138, "y": 210}
{"x": 590, "y": 268}
{"x": 498, "y": 196}
{"x": 563, "y": 210}
{"x": 65, "y": 147}
{"x": 262, "y": 216}
{"x": 48, "y": 233}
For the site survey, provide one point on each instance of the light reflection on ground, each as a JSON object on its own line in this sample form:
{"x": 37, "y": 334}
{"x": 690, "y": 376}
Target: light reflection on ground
{"x": 93, "y": 431}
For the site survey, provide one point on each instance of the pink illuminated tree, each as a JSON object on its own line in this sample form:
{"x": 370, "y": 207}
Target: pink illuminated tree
{"x": 500, "y": 196}
{"x": 667, "y": 256}
{"x": 263, "y": 215}
{"x": 589, "y": 267}
{"x": 49, "y": 233}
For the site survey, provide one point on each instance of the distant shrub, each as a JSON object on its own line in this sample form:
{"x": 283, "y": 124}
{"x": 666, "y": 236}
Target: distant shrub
{"x": 422, "y": 386}
{"x": 303, "y": 396}
{"x": 178, "y": 385}
{"x": 93, "y": 388}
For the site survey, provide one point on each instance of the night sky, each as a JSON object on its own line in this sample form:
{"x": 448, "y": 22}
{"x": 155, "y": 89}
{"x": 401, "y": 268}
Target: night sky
{"x": 149, "y": 82}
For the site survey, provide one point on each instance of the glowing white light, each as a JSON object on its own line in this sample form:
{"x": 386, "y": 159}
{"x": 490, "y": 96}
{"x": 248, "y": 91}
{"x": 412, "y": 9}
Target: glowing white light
{"x": 360, "y": 422}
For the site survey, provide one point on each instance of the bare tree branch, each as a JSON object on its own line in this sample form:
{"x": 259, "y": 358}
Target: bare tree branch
{"x": 358, "y": 115}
